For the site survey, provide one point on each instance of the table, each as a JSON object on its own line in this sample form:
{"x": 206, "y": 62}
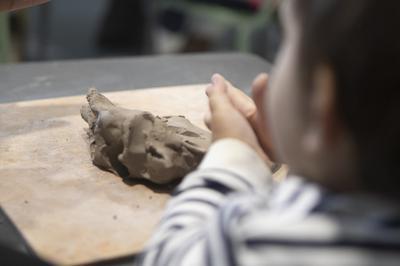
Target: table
{"x": 30, "y": 81}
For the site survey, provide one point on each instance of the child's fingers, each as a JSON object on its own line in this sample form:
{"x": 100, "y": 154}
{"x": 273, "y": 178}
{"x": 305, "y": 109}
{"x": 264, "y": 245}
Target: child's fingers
{"x": 222, "y": 113}
{"x": 240, "y": 100}
{"x": 243, "y": 103}
{"x": 207, "y": 119}
{"x": 208, "y": 89}
{"x": 218, "y": 99}
{"x": 219, "y": 82}
{"x": 259, "y": 89}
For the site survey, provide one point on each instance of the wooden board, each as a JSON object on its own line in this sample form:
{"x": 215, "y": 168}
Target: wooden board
{"x": 69, "y": 211}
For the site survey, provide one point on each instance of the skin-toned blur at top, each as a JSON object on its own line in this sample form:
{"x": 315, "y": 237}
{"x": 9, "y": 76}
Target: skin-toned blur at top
{"x": 12, "y": 5}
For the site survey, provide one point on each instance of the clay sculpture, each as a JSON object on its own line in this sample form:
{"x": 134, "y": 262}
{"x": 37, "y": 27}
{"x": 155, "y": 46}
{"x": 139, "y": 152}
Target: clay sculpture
{"x": 138, "y": 144}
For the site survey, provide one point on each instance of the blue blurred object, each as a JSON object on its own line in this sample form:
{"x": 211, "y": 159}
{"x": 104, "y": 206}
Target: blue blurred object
{"x": 244, "y": 18}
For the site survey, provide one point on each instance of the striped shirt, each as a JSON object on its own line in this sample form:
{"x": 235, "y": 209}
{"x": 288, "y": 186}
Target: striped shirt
{"x": 230, "y": 212}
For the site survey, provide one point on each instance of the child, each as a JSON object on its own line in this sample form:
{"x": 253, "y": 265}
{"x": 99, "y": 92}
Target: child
{"x": 332, "y": 114}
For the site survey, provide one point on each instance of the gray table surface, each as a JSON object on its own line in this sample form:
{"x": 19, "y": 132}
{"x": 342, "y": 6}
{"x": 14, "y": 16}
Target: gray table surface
{"x": 65, "y": 78}
{"x": 28, "y": 81}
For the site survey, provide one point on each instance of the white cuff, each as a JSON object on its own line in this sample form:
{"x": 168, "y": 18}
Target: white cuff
{"x": 238, "y": 157}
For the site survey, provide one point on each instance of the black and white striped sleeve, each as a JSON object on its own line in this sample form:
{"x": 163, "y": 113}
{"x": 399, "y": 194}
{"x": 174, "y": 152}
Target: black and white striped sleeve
{"x": 191, "y": 231}
{"x": 225, "y": 213}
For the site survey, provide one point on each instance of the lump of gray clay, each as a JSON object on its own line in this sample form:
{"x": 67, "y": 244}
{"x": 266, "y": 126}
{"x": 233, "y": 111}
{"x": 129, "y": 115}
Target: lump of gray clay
{"x": 137, "y": 144}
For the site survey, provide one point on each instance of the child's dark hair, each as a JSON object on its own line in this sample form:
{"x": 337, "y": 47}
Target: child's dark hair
{"x": 360, "y": 41}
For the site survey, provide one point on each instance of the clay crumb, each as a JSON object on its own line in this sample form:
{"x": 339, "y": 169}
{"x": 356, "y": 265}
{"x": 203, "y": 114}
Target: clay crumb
{"x": 26, "y": 202}
{"x": 115, "y": 217}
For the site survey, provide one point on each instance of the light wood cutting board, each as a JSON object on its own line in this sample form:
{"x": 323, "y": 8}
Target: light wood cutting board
{"x": 69, "y": 211}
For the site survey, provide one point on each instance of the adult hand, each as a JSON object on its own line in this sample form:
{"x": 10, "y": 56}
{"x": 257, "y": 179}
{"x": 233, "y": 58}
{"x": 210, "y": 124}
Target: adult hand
{"x": 253, "y": 110}
{"x": 11, "y": 5}
{"x": 226, "y": 121}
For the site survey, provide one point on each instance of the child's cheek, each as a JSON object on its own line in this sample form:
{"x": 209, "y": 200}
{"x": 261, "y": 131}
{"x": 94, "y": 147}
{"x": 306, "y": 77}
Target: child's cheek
{"x": 283, "y": 107}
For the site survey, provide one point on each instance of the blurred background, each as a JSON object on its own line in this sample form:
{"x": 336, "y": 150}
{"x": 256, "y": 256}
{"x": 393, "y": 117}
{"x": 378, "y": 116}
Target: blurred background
{"x": 76, "y": 29}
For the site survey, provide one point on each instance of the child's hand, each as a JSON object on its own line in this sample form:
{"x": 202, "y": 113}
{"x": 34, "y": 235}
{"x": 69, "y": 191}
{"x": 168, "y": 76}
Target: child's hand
{"x": 252, "y": 110}
{"x": 10, "y": 5}
{"x": 227, "y": 121}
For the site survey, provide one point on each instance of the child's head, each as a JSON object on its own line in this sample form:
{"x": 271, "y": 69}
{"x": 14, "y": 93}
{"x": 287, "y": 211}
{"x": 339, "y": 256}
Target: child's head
{"x": 335, "y": 94}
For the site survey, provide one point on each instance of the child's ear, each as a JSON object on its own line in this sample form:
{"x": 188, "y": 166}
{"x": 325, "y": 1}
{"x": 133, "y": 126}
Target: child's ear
{"x": 323, "y": 126}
